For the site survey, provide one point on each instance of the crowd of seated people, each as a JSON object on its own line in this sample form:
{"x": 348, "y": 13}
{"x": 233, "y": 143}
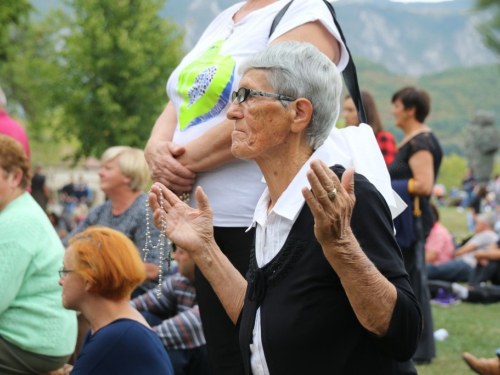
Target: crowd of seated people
{"x": 462, "y": 268}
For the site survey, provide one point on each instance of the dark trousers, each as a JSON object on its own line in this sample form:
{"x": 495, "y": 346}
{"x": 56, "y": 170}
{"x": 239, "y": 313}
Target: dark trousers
{"x": 221, "y": 333}
{"x": 17, "y": 361}
{"x": 184, "y": 361}
{"x": 414, "y": 259}
{"x": 490, "y": 272}
{"x": 478, "y": 294}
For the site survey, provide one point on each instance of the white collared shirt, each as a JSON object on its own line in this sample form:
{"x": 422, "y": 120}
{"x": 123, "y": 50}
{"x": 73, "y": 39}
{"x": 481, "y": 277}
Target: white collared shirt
{"x": 272, "y": 231}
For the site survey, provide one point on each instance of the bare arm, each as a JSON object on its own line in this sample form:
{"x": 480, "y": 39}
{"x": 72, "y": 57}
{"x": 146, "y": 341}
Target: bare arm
{"x": 192, "y": 229}
{"x": 467, "y": 248}
{"x": 370, "y": 294}
{"x": 430, "y": 256}
{"x": 421, "y": 165}
{"x": 210, "y": 150}
{"x": 491, "y": 253}
{"x": 152, "y": 270}
{"x": 316, "y": 34}
{"x": 161, "y": 154}
{"x": 213, "y": 148}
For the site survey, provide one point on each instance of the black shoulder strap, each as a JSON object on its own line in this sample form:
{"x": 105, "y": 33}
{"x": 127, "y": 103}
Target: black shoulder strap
{"x": 349, "y": 73}
{"x": 278, "y": 17}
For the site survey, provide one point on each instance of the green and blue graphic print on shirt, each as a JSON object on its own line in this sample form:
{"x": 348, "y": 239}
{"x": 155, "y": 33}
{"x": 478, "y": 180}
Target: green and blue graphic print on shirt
{"x": 205, "y": 86}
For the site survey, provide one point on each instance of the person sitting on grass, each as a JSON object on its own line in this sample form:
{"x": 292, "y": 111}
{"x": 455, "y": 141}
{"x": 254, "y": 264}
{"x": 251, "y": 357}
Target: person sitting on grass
{"x": 461, "y": 267}
{"x": 487, "y": 270}
{"x": 439, "y": 243}
{"x": 175, "y": 317}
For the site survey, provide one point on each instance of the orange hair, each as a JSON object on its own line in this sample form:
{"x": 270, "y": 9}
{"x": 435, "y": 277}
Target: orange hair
{"x": 109, "y": 260}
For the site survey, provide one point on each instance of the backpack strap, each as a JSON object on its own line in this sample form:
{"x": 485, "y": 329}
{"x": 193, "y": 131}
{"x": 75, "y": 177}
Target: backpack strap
{"x": 350, "y": 75}
{"x": 278, "y": 18}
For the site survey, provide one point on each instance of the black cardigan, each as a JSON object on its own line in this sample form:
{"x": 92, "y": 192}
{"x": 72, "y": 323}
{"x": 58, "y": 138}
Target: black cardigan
{"x": 308, "y": 325}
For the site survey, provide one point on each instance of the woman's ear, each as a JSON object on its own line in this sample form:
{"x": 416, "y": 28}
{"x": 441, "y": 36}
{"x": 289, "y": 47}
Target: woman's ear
{"x": 88, "y": 286}
{"x": 412, "y": 111}
{"x": 16, "y": 178}
{"x": 302, "y": 114}
{"x": 127, "y": 180}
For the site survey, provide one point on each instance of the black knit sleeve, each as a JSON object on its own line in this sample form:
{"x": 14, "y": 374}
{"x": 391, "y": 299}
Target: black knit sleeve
{"x": 372, "y": 226}
{"x": 422, "y": 142}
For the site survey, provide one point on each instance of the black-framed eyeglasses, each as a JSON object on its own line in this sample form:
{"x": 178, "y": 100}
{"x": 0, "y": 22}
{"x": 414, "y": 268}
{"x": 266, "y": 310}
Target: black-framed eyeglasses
{"x": 243, "y": 92}
{"x": 63, "y": 272}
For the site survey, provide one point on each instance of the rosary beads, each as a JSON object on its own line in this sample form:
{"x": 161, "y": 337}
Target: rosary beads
{"x": 160, "y": 245}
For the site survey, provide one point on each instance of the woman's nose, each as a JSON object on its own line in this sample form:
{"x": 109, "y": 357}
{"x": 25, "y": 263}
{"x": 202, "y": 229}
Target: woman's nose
{"x": 234, "y": 112}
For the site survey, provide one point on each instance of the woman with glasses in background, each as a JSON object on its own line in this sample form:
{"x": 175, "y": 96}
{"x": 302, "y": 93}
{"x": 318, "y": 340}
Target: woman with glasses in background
{"x": 100, "y": 270}
{"x": 37, "y": 335}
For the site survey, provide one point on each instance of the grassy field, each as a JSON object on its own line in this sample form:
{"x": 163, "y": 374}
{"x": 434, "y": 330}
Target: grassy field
{"x": 472, "y": 327}
{"x": 454, "y": 220}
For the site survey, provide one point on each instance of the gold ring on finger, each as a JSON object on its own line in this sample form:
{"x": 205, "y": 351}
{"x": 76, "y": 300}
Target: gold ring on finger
{"x": 332, "y": 194}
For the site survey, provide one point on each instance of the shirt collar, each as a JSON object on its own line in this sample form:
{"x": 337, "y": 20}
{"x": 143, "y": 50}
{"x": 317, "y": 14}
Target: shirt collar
{"x": 291, "y": 201}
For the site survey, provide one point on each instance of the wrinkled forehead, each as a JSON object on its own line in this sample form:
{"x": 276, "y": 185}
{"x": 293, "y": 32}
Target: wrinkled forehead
{"x": 253, "y": 78}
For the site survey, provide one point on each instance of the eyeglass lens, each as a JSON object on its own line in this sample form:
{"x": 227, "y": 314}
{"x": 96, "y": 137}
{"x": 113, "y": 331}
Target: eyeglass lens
{"x": 240, "y": 95}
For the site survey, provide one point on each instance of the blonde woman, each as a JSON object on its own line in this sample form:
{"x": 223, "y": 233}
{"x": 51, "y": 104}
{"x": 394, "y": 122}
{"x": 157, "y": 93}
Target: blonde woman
{"x": 123, "y": 175}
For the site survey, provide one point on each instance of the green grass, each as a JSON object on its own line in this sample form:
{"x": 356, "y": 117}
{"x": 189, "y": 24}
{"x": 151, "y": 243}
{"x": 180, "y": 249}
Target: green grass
{"x": 455, "y": 221}
{"x": 472, "y": 327}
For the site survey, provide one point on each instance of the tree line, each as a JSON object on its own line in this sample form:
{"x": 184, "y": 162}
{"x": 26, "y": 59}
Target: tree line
{"x": 94, "y": 72}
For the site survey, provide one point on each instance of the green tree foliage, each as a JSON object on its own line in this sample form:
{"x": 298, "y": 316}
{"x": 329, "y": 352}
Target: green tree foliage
{"x": 452, "y": 171}
{"x": 491, "y": 29}
{"x": 12, "y": 13}
{"x": 115, "y": 59}
{"x": 31, "y": 73}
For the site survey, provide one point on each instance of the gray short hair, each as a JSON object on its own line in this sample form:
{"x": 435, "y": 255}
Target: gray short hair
{"x": 486, "y": 218}
{"x": 300, "y": 70}
{"x": 3, "y": 99}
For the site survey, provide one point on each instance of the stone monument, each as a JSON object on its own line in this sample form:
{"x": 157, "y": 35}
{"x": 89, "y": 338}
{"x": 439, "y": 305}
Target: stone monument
{"x": 482, "y": 141}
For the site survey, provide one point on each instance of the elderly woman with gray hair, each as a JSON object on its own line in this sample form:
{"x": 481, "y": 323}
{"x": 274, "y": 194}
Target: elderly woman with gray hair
{"x": 326, "y": 290}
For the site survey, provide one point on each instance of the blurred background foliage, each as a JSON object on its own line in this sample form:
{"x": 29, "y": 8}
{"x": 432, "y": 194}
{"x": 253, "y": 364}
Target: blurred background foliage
{"x": 89, "y": 78}
{"x": 91, "y": 74}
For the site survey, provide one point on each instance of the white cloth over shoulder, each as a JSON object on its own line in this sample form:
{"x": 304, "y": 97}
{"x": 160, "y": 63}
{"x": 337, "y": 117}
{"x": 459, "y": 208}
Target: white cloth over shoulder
{"x": 356, "y": 146}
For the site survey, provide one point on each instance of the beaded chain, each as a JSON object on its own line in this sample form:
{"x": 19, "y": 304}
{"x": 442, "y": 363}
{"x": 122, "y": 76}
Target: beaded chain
{"x": 160, "y": 245}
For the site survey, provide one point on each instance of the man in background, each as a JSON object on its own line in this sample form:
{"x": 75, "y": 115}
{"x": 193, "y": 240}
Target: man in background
{"x": 175, "y": 317}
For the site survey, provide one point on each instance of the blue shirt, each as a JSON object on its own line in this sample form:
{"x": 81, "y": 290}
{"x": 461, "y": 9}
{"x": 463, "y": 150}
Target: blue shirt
{"x": 122, "y": 347}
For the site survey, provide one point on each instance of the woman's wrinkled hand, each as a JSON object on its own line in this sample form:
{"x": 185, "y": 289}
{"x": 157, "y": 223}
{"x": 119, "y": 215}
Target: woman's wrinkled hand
{"x": 332, "y": 216}
{"x": 189, "y": 228}
{"x": 161, "y": 156}
{"x": 65, "y": 370}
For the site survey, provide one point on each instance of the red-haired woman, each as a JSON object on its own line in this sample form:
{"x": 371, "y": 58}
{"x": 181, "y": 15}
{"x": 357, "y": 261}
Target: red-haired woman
{"x": 100, "y": 270}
